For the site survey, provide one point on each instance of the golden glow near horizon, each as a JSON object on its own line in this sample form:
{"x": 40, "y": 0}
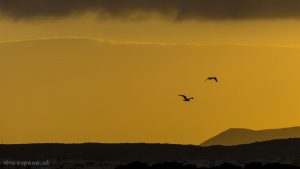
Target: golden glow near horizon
{"x": 82, "y": 90}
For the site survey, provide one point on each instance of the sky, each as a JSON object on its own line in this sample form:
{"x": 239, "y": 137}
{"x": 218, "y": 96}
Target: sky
{"x": 111, "y": 71}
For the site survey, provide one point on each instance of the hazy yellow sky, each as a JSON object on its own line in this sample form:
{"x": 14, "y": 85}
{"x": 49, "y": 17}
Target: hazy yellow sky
{"x": 60, "y": 84}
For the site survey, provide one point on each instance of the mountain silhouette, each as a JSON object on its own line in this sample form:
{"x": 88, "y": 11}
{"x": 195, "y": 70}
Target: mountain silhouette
{"x": 236, "y": 136}
{"x": 269, "y": 151}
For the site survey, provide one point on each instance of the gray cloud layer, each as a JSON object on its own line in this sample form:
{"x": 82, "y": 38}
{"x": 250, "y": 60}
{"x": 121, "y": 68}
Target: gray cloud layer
{"x": 176, "y": 9}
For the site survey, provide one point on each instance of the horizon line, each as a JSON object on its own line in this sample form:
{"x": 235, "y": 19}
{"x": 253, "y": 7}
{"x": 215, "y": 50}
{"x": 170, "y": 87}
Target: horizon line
{"x": 146, "y": 43}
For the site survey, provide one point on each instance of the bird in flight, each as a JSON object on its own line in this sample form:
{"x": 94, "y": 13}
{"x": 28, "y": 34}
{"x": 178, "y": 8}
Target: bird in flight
{"x": 212, "y": 78}
{"x": 185, "y": 98}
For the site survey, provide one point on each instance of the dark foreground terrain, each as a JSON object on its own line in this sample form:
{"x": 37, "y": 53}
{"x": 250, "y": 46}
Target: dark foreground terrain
{"x": 163, "y": 165}
{"x": 109, "y": 156}
{"x": 175, "y": 165}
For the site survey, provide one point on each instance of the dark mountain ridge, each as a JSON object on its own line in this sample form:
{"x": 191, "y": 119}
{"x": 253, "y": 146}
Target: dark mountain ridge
{"x": 275, "y": 149}
{"x": 236, "y": 136}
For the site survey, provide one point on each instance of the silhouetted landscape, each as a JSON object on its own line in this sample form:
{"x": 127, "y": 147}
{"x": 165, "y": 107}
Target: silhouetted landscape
{"x": 149, "y": 84}
{"x": 175, "y": 165}
{"x": 286, "y": 151}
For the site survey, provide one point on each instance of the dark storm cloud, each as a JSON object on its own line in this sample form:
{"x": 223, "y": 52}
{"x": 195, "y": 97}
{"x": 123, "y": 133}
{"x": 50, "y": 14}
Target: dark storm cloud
{"x": 176, "y": 9}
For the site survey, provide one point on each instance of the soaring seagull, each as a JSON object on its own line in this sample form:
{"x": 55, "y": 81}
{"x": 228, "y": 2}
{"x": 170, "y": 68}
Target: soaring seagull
{"x": 186, "y": 99}
{"x": 212, "y": 78}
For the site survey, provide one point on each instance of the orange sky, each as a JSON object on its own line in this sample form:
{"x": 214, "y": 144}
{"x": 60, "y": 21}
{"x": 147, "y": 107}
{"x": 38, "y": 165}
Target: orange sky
{"x": 89, "y": 80}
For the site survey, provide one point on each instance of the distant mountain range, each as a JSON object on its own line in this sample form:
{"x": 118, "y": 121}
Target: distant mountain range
{"x": 236, "y": 136}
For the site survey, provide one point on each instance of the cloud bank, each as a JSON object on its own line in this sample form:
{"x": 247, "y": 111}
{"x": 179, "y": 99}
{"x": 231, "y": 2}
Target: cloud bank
{"x": 172, "y": 9}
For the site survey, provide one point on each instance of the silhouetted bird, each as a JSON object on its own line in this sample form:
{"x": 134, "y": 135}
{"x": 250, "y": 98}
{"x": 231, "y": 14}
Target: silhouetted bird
{"x": 212, "y": 78}
{"x": 186, "y": 99}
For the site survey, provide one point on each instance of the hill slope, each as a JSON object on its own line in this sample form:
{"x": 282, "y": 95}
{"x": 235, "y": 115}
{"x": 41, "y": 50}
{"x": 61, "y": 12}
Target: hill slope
{"x": 235, "y": 136}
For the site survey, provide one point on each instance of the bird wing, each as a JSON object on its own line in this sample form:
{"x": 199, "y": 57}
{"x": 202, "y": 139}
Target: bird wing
{"x": 183, "y": 96}
{"x": 212, "y": 78}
